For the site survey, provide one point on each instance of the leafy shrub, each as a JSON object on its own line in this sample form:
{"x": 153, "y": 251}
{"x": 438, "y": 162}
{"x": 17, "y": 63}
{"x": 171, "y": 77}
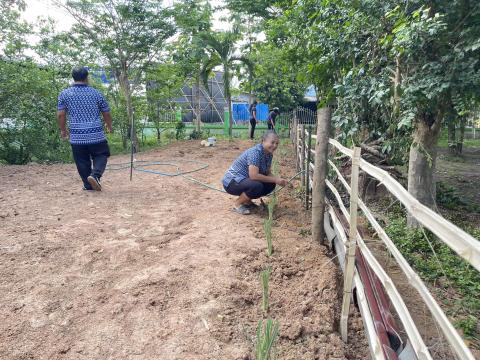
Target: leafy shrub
{"x": 448, "y": 197}
{"x": 180, "y": 130}
{"x": 435, "y": 261}
{"x": 196, "y": 135}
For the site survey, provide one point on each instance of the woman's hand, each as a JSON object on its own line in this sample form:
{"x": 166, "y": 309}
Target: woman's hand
{"x": 281, "y": 182}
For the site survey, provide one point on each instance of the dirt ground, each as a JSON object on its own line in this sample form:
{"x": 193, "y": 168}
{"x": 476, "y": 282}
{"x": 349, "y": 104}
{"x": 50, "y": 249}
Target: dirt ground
{"x": 159, "y": 268}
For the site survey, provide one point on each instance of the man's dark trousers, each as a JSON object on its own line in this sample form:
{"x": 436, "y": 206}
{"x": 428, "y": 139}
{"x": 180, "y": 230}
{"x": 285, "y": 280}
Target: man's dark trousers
{"x": 84, "y": 155}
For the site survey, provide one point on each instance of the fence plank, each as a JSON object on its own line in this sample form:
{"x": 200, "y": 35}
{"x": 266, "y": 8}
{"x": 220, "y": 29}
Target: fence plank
{"x": 376, "y": 351}
{"x": 350, "y": 256}
{"x": 448, "y": 330}
{"x": 410, "y": 328}
{"x": 302, "y": 154}
{"x": 458, "y": 240}
{"x": 307, "y": 168}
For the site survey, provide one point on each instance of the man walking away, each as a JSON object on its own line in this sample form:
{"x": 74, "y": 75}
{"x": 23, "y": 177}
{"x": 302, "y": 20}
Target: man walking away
{"x": 253, "y": 118}
{"x": 271, "y": 118}
{"x": 82, "y": 105}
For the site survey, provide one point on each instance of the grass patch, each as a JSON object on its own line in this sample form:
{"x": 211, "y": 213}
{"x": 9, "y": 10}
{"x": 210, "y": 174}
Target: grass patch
{"x": 449, "y": 198}
{"x": 265, "y": 278}
{"x": 266, "y": 339}
{"x": 456, "y": 283}
{"x": 443, "y": 141}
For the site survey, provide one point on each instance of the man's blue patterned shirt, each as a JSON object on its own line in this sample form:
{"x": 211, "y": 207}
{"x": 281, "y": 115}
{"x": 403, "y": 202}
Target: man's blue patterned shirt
{"x": 83, "y": 105}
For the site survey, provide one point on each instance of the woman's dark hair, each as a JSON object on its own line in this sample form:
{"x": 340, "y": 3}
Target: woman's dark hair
{"x": 80, "y": 73}
{"x": 269, "y": 133}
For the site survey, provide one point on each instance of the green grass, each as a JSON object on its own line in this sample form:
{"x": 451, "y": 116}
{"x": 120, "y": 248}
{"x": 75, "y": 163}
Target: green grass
{"x": 148, "y": 143}
{"x": 455, "y": 282}
{"x": 443, "y": 141}
{"x": 267, "y": 337}
{"x": 265, "y": 278}
{"x": 449, "y": 198}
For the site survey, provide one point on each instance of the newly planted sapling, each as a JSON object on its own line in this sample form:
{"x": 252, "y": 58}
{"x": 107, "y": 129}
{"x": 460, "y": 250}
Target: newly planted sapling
{"x": 271, "y": 206}
{"x": 265, "y": 278}
{"x": 266, "y": 339}
{"x": 267, "y": 226}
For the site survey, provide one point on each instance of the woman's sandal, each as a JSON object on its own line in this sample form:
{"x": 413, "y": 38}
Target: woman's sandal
{"x": 242, "y": 210}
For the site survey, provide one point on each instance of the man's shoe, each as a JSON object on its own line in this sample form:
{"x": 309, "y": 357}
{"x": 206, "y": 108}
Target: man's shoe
{"x": 94, "y": 182}
{"x": 87, "y": 188}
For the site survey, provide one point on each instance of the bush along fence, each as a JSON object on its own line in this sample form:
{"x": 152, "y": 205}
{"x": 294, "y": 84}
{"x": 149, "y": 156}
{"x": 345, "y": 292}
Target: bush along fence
{"x": 335, "y": 225}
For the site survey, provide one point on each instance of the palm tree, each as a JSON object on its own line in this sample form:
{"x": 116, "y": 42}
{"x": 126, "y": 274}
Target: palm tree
{"x": 222, "y": 48}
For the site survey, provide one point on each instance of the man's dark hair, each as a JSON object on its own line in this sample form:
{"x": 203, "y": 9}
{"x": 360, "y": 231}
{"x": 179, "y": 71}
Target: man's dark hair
{"x": 255, "y": 102}
{"x": 80, "y": 73}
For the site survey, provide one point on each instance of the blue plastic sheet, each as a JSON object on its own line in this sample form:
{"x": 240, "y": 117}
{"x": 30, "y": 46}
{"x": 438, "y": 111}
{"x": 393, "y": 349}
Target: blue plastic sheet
{"x": 240, "y": 112}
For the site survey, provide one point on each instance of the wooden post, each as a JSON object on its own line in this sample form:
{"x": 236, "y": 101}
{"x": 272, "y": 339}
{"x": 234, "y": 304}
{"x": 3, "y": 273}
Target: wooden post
{"x": 307, "y": 171}
{"x": 297, "y": 141}
{"x": 302, "y": 154}
{"x": 320, "y": 174}
{"x": 352, "y": 244}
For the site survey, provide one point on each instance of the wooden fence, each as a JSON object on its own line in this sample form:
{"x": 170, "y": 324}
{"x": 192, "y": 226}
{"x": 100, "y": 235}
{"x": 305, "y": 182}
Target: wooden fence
{"x": 353, "y": 252}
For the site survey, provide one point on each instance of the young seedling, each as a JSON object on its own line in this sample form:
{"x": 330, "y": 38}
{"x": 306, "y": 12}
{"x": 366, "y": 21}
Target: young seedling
{"x": 265, "y": 278}
{"x": 271, "y": 206}
{"x": 267, "y": 226}
{"x": 266, "y": 338}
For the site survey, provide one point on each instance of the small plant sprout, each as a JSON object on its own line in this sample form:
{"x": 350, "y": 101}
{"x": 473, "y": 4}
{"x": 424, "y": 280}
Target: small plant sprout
{"x": 267, "y": 226}
{"x": 265, "y": 278}
{"x": 266, "y": 339}
{"x": 271, "y": 206}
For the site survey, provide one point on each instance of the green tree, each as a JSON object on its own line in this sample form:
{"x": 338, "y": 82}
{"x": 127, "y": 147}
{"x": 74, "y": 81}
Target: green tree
{"x": 193, "y": 18}
{"x": 394, "y": 72}
{"x": 164, "y": 82}
{"x": 276, "y": 82}
{"x": 223, "y": 52}
{"x": 127, "y": 35}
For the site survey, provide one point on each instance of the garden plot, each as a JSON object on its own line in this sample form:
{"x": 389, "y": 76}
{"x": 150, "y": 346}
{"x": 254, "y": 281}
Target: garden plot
{"x": 159, "y": 268}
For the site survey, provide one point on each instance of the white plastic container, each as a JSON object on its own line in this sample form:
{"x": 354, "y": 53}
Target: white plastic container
{"x": 212, "y": 141}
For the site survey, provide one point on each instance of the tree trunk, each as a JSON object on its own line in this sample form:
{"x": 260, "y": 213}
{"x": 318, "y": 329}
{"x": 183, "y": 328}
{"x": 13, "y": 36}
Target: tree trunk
{"x": 320, "y": 173}
{"x": 452, "y": 149}
{"x": 127, "y": 91}
{"x": 198, "y": 111}
{"x": 461, "y": 135}
{"x": 421, "y": 165}
{"x": 226, "y": 83}
{"x": 397, "y": 83}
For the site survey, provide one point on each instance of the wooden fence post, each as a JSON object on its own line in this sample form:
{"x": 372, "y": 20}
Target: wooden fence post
{"x": 307, "y": 168}
{"x": 302, "y": 154}
{"x": 351, "y": 247}
{"x": 320, "y": 174}
{"x": 297, "y": 163}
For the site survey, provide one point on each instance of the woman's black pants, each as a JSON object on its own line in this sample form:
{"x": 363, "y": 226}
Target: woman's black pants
{"x": 253, "y": 189}
{"x": 253, "y": 124}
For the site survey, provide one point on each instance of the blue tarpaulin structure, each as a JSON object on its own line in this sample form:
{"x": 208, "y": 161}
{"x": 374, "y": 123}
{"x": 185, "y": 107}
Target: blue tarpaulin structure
{"x": 240, "y": 112}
